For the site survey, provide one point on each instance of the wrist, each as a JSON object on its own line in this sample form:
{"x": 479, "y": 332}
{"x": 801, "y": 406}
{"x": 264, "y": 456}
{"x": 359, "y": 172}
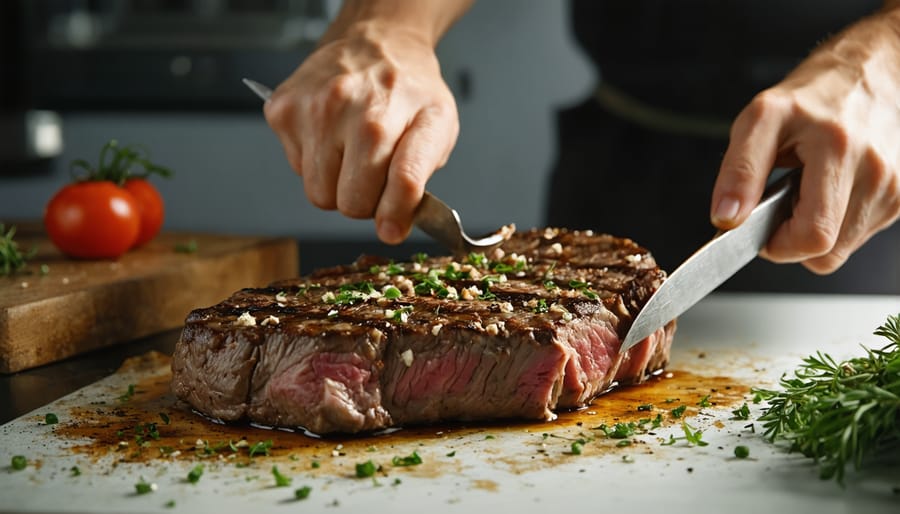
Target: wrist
{"x": 424, "y": 20}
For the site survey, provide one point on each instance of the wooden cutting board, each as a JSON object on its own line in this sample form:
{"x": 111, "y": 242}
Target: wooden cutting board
{"x": 81, "y": 305}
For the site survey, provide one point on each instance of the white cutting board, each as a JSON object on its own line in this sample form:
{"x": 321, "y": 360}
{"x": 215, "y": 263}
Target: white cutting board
{"x": 751, "y": 339}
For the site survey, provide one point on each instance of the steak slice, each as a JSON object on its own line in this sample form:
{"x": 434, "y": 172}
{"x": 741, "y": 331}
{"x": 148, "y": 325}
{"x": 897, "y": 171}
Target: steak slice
{"x": 534, "y": 327}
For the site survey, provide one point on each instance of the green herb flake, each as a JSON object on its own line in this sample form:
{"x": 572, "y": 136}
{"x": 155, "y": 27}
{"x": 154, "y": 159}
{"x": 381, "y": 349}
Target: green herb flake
{"x": 489, "y": 436}
{"x": 261, "y": 448}
{"x": 128, "y": 393}
{"x": 575, "y": 447}
{"x": 75, "y": 471}
{"x": 645, "y": 407}
{"x": 19, "y": 462}
{"x": 188, "y": 247}
{"x": 394, "y": 269}
{"x": 302, "y": 493}
{"x": 677, "y": 412}
{"x": 452, "y": 454}
{"x": 671, "y": 400}
{"x": 164, "y": 417}
{"x": 396, "y": 482}
{"x": 541, "y": 306}
{"x": 420, "y": 257}
{"x": 169, "y": 504}
{"x": 623, "y": 443}
{"x": 51, "y": 419}
{"x": 392, "y": 293}
{"x": 280, "y": 480}
{"x": 144, "y": 487}
{"x": 478, "y": 260}
{"x": 194, "y": 474}
{"x": 45, "y": 270}
{"x": 412, "y": 459}
{"x": 365, "y": 469}
{"x": 11, "y": 258}
{"x": 741, "y": 452}
{"x": 315, "y": 464}
{"x": 704, "y": 402}
{"x": 693, "y": 436}
{"x": 741, "y": 413}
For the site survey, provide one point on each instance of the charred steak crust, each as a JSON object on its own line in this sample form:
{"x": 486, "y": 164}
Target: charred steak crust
{"x": 536, "y": 326}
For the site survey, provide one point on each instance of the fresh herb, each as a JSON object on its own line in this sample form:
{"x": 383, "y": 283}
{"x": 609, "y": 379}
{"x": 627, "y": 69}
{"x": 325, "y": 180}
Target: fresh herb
{"x": 51, "y": 419}
{"x": 645, "y": 407}
{"x": 477, "y": 260}
{"x": 261, "y": 448}
{"x": 194, "y": 474}
{"x": 541, "y": 306}
{"x": 128, "y": 393}
{"x": 394, "y": 269}
{"x": 741, "y": 413}
{"x": 169, "y": 504}
{"x": 431, "y": 284}
{"x": 11, "y": 258}
{"x": 584, "y": 287}
{"x": 452, "y": 454}
{"x": 741, "y": 452}
{"x": 164, "y": 417}
{"x": 75, "y": 471}
{"x": 623, "y": 443}
{"x": 280, "y": 480}
{"x": 839, "y": 412}
{"x": 315, "y": 464}
{"x": 396, "y": 482}
{"x": 619, "y": 430}
{"x": 704, "y": 402}
{"x": 677, "y": 412}
{"x": 189, "y": 247}
{"x": 144, "y": 487}
{"x": 420, "y": 257}
{"x": 412, "y": 459}
{"x": 302, "y": 493}
{"x": 402, "y": 314}
{"x": 19, "y": 462}
{"x": 693, "y": 436}
{"x": 365, "y": 469}
{"x": 45, "y": 270}
{"x": 671, "y": 400}
{"x": 489, "y": 436}
{"x": 550, "y": 285}
{"x": 392, "y": 293}
{"x": 451, "y": 273}
{"x": 576, "y": 447}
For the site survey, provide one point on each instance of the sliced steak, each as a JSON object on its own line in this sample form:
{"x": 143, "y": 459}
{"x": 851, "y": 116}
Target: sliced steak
{"x": 535, "y": 327}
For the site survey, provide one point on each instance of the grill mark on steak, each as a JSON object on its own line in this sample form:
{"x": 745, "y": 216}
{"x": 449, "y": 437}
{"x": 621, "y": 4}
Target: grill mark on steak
{"x": 540, "y": 330}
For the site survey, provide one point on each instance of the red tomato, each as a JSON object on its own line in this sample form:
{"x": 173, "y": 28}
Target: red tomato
{"x": 93, "y": 219}
{"x": 150, "y": 207}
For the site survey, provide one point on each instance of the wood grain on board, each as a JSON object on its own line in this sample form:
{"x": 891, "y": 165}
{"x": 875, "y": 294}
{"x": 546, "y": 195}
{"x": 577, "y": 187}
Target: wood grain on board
{"x": 82, "y": 305}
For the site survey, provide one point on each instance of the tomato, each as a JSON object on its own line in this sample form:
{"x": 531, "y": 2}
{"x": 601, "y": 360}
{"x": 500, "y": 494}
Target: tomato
{"x": 150, "y": 207}
{"x": 93, "y": 219}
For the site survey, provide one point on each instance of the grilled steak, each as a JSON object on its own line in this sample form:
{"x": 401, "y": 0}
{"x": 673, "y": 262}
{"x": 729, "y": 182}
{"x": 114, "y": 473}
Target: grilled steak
{"x": 532, "y": 328}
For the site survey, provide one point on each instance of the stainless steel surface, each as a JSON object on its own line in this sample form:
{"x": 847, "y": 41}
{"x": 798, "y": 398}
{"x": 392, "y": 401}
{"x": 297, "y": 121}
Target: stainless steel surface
{"x": 715, "y": 262}
{"x": 432, "y": 216}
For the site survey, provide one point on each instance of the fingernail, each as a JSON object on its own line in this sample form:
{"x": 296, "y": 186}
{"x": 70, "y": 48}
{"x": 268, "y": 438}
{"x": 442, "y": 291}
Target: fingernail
{"x": 390, "y": 232}
{"x": 727, "y": 210}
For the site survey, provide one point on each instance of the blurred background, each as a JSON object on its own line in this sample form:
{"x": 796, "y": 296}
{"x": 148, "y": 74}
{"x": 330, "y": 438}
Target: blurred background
{"x": 166, "y": 74}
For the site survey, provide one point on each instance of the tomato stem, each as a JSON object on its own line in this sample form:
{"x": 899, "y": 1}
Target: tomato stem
{"x": 124, "y": 161}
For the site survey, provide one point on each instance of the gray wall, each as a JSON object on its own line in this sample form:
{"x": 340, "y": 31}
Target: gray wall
{"x": 231, "y": 175}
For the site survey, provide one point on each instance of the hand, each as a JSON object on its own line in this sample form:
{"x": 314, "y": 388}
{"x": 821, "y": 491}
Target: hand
{"x": 366, "y": 120}
{"x": 838, "y": 116}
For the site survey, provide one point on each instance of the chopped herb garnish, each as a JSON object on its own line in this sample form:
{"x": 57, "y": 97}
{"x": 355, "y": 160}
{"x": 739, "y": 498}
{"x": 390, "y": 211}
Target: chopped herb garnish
{"x": 396, "y": 482}
{"x": 619, "y": 430}
{"x": 315, "y": 464}
{"x": 392, "y": 293}
{"x": 194, "y": 474}
{"x": 365, "y": 469}
{"x": 741, "y": 413}
{"x": 489, "y": 436}
{"x": 51, "y": 419}
{"x": 45, "y": 269}
{"x": 671, "y": 441}
{"x": 576, "y": 446}
{"x": 671, "y": 400}
{"x": 541, "y": 306}
{"x": 623, "y": 443}
{"x": 692, "y": 435}
{"x": 189, "y": 247}
{"x": 452, "y": 454}
{"x": 402, "y": 314}
{"x": 128, "y": 393}
{"x": 478, "y": 260}
{"x": 741, "y": 452}
{"x": 261, "y": 448}
{"x": 412, "y": 459}
{"x": 169, "y": 504}
{"x": 280, "y": 480}
{"x": 144, "y": 487}
{"x": 164, "y": 417}
{"x": 645, "y": 407}
{"x": 302, "y": 493}
{"x": 420, "y": 257}
{"x": 75, "y": 471}
{"x": 584, "y": 288}
{"x": 394, "y": 269}
{"x": 19, "y": 462}
{"x": 677, "y": 412}
{"x": 704, "y": 402}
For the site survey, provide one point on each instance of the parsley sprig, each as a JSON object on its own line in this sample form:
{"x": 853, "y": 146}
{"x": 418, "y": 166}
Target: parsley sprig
{"x": 11, "y": 258}
{"x": 839, "y": 412}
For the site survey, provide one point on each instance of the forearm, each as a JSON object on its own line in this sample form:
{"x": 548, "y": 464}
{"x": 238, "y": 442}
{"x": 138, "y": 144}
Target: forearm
{"x": 426, "y": 19}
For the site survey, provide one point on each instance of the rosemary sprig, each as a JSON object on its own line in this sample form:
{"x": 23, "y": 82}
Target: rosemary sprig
{"x": 11, "y": 258}
{"x": 840, "y": 412}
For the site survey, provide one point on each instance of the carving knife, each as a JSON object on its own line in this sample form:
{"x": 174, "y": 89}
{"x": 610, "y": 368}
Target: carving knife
{"x": 432, "y": 216}
{"x": 716, "y": 261}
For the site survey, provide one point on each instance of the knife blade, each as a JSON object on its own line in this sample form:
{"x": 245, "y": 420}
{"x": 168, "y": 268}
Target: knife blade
{"x": 716, "y": 261}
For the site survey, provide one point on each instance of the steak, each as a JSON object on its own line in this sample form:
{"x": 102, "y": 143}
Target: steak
{"x": 534, "y": 327}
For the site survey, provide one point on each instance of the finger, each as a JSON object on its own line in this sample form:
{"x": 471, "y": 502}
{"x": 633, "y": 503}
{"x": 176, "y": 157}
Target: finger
{"x": 281, "y": 115}
{"x": 365, "y": 164}
{"x": 423, "y": 146}
{"x": 753, "y": 146}
{"x": 812, "y": 230}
